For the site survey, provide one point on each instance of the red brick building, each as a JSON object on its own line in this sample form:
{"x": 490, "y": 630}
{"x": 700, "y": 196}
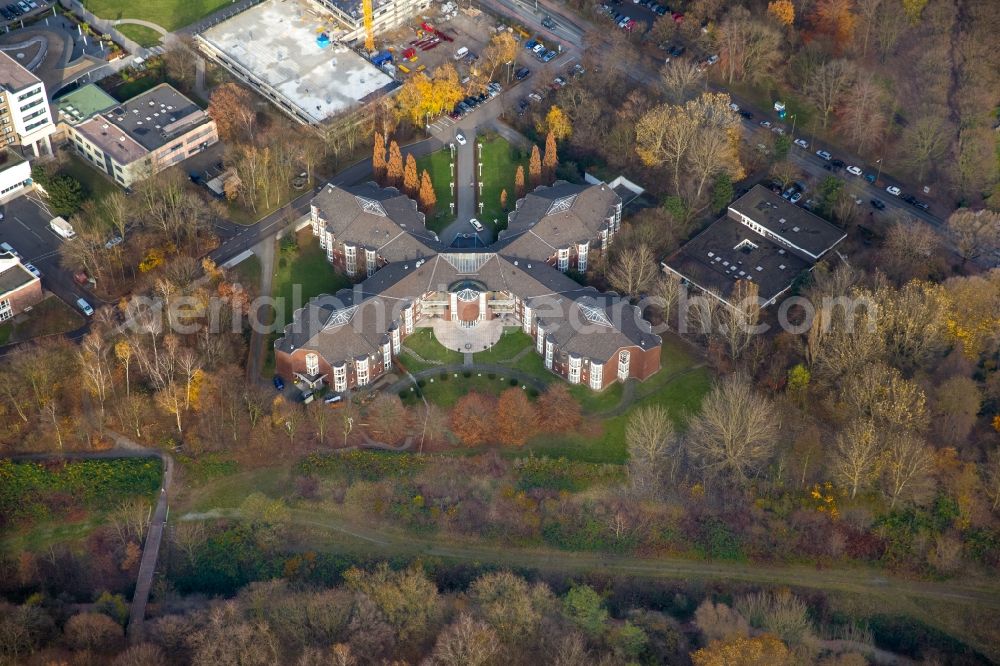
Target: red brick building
{"x": 19, "y": 288}
{"x": 350, "y": 339}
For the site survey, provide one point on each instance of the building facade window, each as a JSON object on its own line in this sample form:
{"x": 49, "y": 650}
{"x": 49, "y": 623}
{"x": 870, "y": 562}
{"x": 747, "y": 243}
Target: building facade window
{"x": 596, "y": 376}
{"x": 575, "y": 362}
{"x": 540, "y": 340}
{"x": 370, "y": 262}
{"x": 408, "y": 319}
{"x": 312, "y": 364}
{"x": 6, "y": 311}
{"x": 605, "y": 235}
{"x": 582, "y": 250}
{"x": 340, "y": 377}
{"x": 563, "y": 263}
{"x": 623, "y": 364}
{"x": 549, "y": 353}
{"x": 526, "y": 320}
{"x": 386, "y": 355}
{"x": 395, "y": 340}
{"x": 361, "y": 371}
{"x": 350, "y": 259}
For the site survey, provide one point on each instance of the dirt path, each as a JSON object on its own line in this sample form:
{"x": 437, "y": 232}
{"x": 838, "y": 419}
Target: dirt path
{"x": 258, "y": 340}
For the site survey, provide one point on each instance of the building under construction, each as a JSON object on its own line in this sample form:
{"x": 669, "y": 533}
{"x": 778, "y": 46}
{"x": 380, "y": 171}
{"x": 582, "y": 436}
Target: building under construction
{"x": 298, "y": 53}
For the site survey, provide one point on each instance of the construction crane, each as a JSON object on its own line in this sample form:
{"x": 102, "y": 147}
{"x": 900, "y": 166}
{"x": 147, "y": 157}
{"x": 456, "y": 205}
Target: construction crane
{"x": 366, "y": 7}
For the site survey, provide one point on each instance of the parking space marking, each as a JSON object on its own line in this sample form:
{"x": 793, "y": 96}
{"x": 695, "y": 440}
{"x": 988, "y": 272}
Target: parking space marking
{"x": 32, "y": 231}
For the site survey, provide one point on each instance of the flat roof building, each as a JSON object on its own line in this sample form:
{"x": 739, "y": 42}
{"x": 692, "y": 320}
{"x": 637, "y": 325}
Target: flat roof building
{"x": 81, "y": 104}
{"x": 148, "y": 133}
{"x": 25, "y": 117}
{"x": 19, "y": 288}
{"x": 275, "y": 47}
{"x": 763, "y": 239}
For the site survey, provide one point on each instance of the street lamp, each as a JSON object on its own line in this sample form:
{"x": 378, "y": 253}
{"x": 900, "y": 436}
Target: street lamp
{"x": 793, "y": 125}
{"x": 879, "y": 174}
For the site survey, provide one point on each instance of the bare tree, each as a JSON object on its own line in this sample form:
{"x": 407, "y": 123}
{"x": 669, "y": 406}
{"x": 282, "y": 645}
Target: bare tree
{"x": 748, "y": 47}
{"x": 680, "y": 78}
{"x": 827, "y": 85}
{"x": 465, "y": 642}
{"x": 856, "y": 455}
{"x": 734, "y": 433}
{"x": 739, "y": 319}
{"x": 974, "y": 233}
{"x": 652, "y": 448}
{"x": 908, "y": 463}
{"x": 633, "y": 270}
{"x": 909, "y": 247}
{"x": 925, "y": 142}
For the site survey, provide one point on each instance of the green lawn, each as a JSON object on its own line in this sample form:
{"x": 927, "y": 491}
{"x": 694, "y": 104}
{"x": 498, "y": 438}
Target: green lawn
{"x": 168, "y": 14}
{"x": 248, "y": 272}
{"x": 438, "y": 165}
{"x": 96, "y": 182}
{"x": 446, "y": 392}
{"x": 301, "y": 273}
{"x": 512, "y": 342}
{"x": 423, "y": 342}
{"x": 500, "y": 162}
{"x": 49, "y": 317}
{"x": 139, "y": 34}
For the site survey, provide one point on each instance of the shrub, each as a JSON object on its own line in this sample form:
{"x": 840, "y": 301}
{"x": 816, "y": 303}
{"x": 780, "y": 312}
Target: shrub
{"x": 780, "y": 613}
{"x": 466, "y": 374}
{"x": 361, "y": 465}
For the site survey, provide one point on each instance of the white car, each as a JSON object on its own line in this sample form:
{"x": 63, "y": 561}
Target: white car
{"x": 735, "y": 107}
{"x": 822, "y": 154}
{"x": 476, "y": 224}
{"x": 854, "y": 171}
{"x": 802, "y": 143}
{"x": 85, "y": 307}
{"x": 778, "y": 130}
{"x": 765, "y": 123}
{"x": 460, "y": 138}
{"x": 6, "y": 248}
{"x": 893, "y": 190}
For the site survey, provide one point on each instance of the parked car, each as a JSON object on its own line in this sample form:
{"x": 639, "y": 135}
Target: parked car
{"x": 711, "y": 60}
{"x": 765, "y": 124}
{"x": 870, "y": 177}
{"x": 7, "y": 248}
{"x": 677, "y": 51}
{"x": 559, "y": 82}
{"x": 780, "y": 131}
{"x": 796, "y": 197}
{"x": 460, "y": 138}
{"x": 824, "y": 155}
{"x": 334, "y": 399}
{"x": 113, "y": 241}
{"x": 837, "y": 164}
{"x": 33, "y": 270}
{"x": 878, "y": 204}
{"x": 922, "y": 205}
{"x": 548, "y": 23}
{"x": 746, "y": 115}
{"x": 802, "y": 143}
{"x": 893, "y": 190}
{"x": 530, "y": 44}
{"x": 279, "y": 383}
{"x": 84, "y": 307}
{"x": 522, "y": 74}
{"x": 538, "y": 48}
{"x": 854, "y": 171}
{"x": 476, "y": 224}
{"x": 549, "y": 55}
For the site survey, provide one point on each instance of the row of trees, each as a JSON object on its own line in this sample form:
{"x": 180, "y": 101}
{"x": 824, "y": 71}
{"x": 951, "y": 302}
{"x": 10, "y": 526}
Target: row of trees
{"x": 390, "y": 171}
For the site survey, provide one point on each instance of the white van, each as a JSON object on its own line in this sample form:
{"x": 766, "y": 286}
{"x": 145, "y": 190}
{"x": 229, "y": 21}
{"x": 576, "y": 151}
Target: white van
{"x": 461, "y": 53}
{"x": 63, "y": 228}
{"x": 84, "y": 307}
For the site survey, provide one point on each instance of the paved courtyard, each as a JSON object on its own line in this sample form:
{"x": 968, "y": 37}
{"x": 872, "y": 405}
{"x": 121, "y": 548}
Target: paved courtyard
{"x": 483, "y": 335}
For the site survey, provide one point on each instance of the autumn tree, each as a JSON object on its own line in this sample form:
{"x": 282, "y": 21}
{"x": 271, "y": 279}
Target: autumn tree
{"x": 535, "y": 167}
{"x": 503, "y": 199}
{"x": 425, "y": 96}
{"x": 557, "y": 123}
{"x": 509, "y": 604}
{"x": 783, "y": 11}
{"x": 633, "y": 270}
{"x": 231, "y": 106}
{"x": 748, "y": 47}
{"x": 836, "y": 18}
{"x": 925, "y": 142}
{"x": 411, "y": 180}
{"x": 719, "y": 622}
{"x": 501, "y": 49}
{"x": 908, "y": 464}
{"x": 473, "y": 419}
{"x": 515, "y": 417}
{"x": 387, "y": 418}
{"x": 734, "y": 434}
{"x": 519, "y": 188}
{"x": 465, "y": 642}
{"x": 394, "y": 167}
{"x": 909, "y": 249}
{"x": 864, "y": 115}
{"x": 762, "y": 650}
{"x": 856, "y": 455}
{"x": 378, "y": 158}
{"x": 680, "y": 78}
{"x": 426, "y": 196}
{"x": 560, "y": 409}
{"x": 407, "y": 599}
{"x": 652, "y": 448}
{"x": 93, "y": 631}
{"x": 551, "y": 159}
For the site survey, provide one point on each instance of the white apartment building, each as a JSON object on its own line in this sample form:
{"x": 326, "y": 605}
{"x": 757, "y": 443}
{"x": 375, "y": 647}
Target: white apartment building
{"x": 25, "y": 117}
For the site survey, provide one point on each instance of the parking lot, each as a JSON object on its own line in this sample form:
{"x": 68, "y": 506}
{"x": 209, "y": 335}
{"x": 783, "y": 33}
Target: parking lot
{"x": 25, "y": 226}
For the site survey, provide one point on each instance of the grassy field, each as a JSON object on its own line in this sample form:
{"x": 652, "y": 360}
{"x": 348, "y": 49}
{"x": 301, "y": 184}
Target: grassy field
{"x": 445, "y": 391}
{"x": 140, "y": 34}
{"x": 423, "y": 342}
{"x": 97, "y": 183}
{"x": 248, "y": 272}
{"x": 500, "y": 162}
{"x": 300, "y": 274}
{"x": 168, "y": 14}
{"x": 438, "y": 165}
{"x": 49, "y": 317}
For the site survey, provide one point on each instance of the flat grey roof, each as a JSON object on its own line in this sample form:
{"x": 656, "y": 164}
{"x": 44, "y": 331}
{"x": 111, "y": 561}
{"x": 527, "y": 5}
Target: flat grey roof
{"x": 156, "y": 117}
{"x": 14, "y": 276}
{"x": 13, "y": 76}
{"x": 276, "y": 42}
{"x": 728, "y": 251}
{"x": 786, "y": 220}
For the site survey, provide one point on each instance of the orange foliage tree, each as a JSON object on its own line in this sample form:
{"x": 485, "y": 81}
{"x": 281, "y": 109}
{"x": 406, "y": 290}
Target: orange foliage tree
{"x": 837, "y": 19}
{"x": 394, "y": 169}
{"x": 535, "y": 167}
{"x": 561, "y": 410}
{"x": 783, "y": 11}
{"x": 473, "y": 418}
{"x": 378, "y": 157}
{"x": 551, "y": 159}
{"x": 411, "y": 180}
{"x": 519, "y": 190}
{"x": 426, "y": 196}
{"x": 515, "y": 417}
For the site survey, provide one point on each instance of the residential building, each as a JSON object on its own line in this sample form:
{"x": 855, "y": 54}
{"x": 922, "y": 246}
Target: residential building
{"x": 19, "y": 288}
{"x": 407, "y": 279}
{"x": 80, "y": 106}
{"x": 15, "y": 174}
{"x": 565, "y": 225}
{"x": 386, "y": 15}
{"x": 144, "y": 135}
{"x": 763, "y": 239}
{"x": 25, "y": 117}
